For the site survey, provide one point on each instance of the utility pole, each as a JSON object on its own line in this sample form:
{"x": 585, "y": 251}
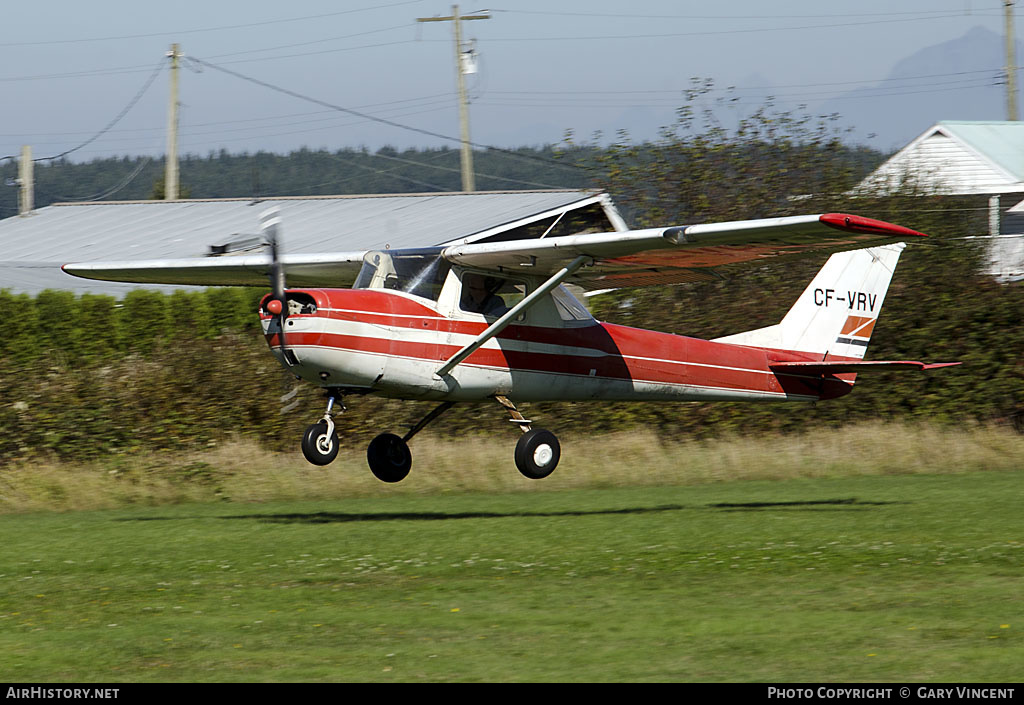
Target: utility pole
{"x": 26, "y": 188}
{"x": 468, "y": 180}
{"x": 171, "y": 168}
{"x": 1011, "y": 64}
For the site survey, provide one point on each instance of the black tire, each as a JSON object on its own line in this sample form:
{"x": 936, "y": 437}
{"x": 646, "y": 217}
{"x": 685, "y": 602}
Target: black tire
{"x": 317, "y": 446}
{"x": 537, "y": 453}
{"x": 389, "y": 458}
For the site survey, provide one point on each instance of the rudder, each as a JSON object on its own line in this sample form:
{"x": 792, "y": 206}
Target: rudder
{"x": 836, "y": 313}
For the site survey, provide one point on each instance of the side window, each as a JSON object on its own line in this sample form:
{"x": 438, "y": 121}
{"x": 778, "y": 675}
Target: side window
{"x": 569, "y": 307}
{"x": 490, "y": 295}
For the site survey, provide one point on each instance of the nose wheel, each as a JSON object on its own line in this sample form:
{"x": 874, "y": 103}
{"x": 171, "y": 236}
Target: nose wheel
{"x": 320, "y": 444}
{"x": 320, "y": 441}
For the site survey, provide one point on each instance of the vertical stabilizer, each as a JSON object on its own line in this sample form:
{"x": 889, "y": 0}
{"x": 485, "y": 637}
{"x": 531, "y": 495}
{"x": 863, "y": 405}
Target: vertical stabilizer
{"x": 836, "y": 314}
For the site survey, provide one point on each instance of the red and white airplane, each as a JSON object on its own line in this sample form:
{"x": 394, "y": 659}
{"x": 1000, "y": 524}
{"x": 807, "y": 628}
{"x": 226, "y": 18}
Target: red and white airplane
{"x": 482, "y": 321}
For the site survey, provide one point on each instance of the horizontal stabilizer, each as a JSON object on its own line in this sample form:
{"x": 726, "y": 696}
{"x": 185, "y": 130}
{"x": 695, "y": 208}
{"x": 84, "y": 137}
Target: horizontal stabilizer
{"x": 831, "y": 368}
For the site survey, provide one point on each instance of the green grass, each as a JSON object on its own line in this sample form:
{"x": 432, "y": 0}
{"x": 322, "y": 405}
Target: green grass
{"x": 874, "y": 578}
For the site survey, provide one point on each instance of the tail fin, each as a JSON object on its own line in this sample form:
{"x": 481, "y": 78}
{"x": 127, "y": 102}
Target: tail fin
{"x": 836, "y": 314}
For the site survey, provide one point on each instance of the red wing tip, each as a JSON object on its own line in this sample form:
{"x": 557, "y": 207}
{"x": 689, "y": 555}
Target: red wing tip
{"x": 937, "y": 365}
{"x": 859, "y": 224}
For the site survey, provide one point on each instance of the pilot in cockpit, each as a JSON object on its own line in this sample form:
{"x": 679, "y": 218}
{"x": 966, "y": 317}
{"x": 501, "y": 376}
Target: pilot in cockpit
{"x": 478, "y": 295}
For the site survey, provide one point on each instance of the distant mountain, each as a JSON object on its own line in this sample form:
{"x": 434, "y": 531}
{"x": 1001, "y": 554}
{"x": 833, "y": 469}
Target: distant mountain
{"x": 960, "y": 79}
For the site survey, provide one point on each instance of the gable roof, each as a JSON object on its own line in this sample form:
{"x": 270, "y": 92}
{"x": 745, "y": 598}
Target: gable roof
{"x": 33, "y": 247}
{"x": 957, "y": 158}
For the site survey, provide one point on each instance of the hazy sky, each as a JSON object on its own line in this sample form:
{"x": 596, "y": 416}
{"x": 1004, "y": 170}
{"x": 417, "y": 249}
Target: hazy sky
{"x": 70, "y": 67}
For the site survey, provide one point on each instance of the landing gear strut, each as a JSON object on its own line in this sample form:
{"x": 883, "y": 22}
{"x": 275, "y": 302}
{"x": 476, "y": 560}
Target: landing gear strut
{"x": 320, "y": 442}
{"x": 538, "y": 451}
{"x": 388, "y": 455}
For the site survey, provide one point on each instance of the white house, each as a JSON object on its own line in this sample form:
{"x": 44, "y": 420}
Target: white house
{"x": 968, "y": 158}
{"x": 958, "y": 158}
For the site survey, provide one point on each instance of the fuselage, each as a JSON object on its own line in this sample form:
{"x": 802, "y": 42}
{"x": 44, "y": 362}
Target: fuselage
{"x": 392, "y": 343}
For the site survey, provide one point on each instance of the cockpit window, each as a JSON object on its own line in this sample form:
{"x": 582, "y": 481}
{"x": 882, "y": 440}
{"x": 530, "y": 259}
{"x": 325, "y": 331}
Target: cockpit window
{"x": 490, "y": 295}
{"x": 414, "y": 272}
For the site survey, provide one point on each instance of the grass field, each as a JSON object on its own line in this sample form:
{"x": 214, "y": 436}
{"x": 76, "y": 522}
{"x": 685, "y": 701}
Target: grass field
{"x": 240, "y": 471}
{"x": 866, "y": 578}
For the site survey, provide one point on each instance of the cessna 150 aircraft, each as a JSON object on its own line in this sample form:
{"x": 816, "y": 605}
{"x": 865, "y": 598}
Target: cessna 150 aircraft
{"x": 493, "y": 320}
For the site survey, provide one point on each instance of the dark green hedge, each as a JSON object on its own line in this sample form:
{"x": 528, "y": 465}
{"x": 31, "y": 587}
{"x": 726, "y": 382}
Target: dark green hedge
{"x": 58, "y": 327}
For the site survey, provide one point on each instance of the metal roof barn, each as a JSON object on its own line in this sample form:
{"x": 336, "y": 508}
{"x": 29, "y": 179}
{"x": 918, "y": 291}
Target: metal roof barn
{"x": 35, "y": 246}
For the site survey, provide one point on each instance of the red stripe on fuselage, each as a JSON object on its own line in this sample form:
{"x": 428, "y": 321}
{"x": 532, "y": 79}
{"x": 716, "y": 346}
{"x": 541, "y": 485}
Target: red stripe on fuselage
{"x": 601, "y": 350}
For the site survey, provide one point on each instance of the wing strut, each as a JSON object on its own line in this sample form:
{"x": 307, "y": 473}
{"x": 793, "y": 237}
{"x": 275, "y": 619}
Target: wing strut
{"x": 513, "y": 313}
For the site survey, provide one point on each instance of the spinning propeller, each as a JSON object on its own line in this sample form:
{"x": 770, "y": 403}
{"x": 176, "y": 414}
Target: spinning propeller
{"x": 270, "y": 224}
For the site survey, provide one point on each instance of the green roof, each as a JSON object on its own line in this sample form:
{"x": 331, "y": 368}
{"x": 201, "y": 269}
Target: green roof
{"x": 1002, "y": 143}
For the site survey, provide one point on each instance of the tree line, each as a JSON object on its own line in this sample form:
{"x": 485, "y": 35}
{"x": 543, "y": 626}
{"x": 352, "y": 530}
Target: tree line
{"x": 301, "y": 173}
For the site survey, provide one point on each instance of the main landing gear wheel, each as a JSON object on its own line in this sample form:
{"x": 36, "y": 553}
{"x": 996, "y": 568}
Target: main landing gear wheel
{"x": 319, "y": 445}
{"x": 537, "y": 453}
{"x": 389, "y": 458}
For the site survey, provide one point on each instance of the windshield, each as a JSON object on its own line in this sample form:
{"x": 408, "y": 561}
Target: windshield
{"x": 421, "y": 273}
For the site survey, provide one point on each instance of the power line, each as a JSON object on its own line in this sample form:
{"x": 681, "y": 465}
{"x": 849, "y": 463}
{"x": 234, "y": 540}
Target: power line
{"x": 315, "y": 41}
{"x": 431, "y": 100}
{"x": 187, "y": 135}
{"x": 677, "y": 91}
{"x": 207, "y": 29}
{"x": 378, "y": 155}
{"x": 77, "y": 74}
{"x": 919, "y": 14}
{"x": 706, "y": 33}
{"x": 298, "y": 132}
{"x": 387, "y": 173}
{"x": 525, "y": 99}
{"x": 138, "y": 69}
{"x": 373, "y": 118}
{"x": 111, "y": 191}
{"x": 907, "y": 16}
{"x": 123, "y": 113}
{"x": 117, "y": 70}
{"x": 670, "y": 94}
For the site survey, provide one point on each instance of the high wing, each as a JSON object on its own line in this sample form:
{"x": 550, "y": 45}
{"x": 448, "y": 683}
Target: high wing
{"x": 682, "y": 254}
{"x": 618, "y": 259}
{"x": 332, "y": 269}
